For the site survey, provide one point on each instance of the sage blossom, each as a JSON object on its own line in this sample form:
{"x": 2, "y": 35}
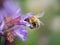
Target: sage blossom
{"x": 12, "y": 22}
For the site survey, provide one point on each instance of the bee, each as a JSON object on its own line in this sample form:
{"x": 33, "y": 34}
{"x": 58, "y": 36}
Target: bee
{"x": 35, "y": 22}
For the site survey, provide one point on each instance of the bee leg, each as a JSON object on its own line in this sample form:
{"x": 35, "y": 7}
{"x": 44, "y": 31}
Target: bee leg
{"x": 34, "y": 24}
{"x": 31, "y": 27}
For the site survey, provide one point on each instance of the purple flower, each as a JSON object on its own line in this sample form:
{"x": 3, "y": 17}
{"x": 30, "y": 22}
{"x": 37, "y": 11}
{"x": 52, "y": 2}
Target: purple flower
{"x": 12, "y": 9}
{"x": 20, "y": 31}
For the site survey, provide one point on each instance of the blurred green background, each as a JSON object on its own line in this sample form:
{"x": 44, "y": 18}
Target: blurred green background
{"x": 49, "y": 34}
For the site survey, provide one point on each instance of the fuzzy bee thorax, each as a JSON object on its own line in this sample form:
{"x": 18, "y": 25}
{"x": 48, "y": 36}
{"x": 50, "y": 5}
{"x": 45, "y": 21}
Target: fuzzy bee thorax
{"x": 32, "y": 19}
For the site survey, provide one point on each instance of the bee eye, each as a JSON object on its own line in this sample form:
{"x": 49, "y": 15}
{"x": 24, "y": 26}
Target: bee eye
{"x": 26, "y": 20}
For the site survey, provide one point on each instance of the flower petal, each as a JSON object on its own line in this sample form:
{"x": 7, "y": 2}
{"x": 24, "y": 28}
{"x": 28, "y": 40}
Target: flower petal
{"x": 12, "y": 7}
{"x": 21, "y": 32}
{"x": 1, "y": 24}
{"x": 24, "y": 23}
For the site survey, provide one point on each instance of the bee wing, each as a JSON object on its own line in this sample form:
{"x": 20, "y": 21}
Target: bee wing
{"x": 40, "y": 14}
{"x": 41, "y": 23}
